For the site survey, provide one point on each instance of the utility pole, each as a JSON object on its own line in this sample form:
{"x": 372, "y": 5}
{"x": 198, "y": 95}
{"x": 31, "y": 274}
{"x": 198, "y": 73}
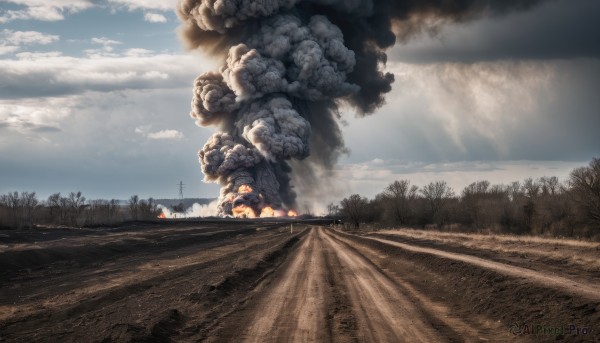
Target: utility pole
{"x": 181, "y": 190}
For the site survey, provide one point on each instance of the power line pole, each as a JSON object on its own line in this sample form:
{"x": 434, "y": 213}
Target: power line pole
{"x": 180, "y": 184}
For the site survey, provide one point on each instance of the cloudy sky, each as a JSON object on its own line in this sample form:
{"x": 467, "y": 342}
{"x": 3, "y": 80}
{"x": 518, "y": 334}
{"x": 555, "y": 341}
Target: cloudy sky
{"x": 95, "y": 96}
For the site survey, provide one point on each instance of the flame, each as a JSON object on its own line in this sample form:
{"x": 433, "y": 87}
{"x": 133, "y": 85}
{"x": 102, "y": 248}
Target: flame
{"x": 243, "y": 211}
{"x": 162, "y": 216}
{"x": 267, "y": 212}
{"x": 243, "y": 189}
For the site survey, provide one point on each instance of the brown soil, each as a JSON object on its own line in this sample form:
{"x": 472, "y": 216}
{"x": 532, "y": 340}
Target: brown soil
{"x": 257, "y": 282}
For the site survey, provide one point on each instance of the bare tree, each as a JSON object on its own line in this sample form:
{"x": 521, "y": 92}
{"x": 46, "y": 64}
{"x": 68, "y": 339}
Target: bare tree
{"x": 76, "y": 205}
{"x": 30, "y": 203}
{"x": 148, "y": 209}
{"x": 98, "y": 211}
{"x": 21, "y": 207}
{"x": 13, "y": 203}
{"x": 473, "y": 197}
{"x": 354, "y": 207}
{"x": 4, "y": 212}
{"x": 549, "y": 185}
{"x": 333, "y": 209}
{"x": 585, "y": 187}
{"x": 515, "y": 190}
{"x": 64, "y": 210}
{"x": 531, "y": 188}
{"x": 397, "y": 197}
{"x": 113, "y": 209}
{"x": 437, "y": 195}
{"x": 134, "y": 206}
{"x": 53, "y": 204}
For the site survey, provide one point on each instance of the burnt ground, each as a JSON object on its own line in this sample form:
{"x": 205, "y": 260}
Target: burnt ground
{"x": 224, "y": 281}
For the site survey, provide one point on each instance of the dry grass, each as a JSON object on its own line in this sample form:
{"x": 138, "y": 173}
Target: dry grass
{"x": 578, "y": 253}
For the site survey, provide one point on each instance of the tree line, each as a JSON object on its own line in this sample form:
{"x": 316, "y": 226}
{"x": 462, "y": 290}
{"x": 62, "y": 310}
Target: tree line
{"x": 25, "y": 210}
{"x": 535, "y": 206}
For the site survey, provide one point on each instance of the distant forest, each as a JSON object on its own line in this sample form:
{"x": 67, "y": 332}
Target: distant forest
{"x": 543, "y": 206}
{"x": 25, "y": 210}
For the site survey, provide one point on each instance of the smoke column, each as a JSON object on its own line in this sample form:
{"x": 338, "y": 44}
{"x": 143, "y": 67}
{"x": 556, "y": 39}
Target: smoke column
{"x": 287, "y": 64}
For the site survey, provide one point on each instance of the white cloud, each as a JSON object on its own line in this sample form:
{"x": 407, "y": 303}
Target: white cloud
{"x": 36, "y": 56}
{"x": 107, "y": 49}
{"x": 8, "y": 49}
{"x": 34, "y": 116}
{"x": 155, "y": 18}
{"x": 137, "y": 52}
{"x": 53, "y": 74}
{"x": 43, "y": 9}
{"x": 27, "y": 37}
{"x": 144, "y": 130}
{"x": 99, "y": 53}
{"x": 165, "y": 134}
{"x": 162, "y": 5}
{"x": 105, "y": 41}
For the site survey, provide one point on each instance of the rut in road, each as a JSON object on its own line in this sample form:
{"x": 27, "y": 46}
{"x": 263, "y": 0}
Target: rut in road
{"x": 295, "y": 306}
{"x": 585, "y": 289}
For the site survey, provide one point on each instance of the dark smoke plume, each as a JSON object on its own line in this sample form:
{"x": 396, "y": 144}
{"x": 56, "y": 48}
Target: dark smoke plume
{"x": 286, "y": 66}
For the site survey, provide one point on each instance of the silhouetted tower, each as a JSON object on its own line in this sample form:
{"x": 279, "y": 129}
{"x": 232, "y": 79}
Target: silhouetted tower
{"x": 180, "y": 184}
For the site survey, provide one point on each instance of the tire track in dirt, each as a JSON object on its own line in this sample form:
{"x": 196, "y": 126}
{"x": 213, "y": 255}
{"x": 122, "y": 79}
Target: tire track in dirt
{"x": 383, "y": 312}
{"x": 585, "y": 289}
{"x": 438, "y": 313}
{"x": 293, "y": 307}
{"x": 576, "y": 260}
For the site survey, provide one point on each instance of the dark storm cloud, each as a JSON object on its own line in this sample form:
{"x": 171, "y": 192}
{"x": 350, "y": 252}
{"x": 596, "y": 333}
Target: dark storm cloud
{"x": 555, "y": 29}
{"x": 567, "y": 125}
{"x": 450, "y": 112}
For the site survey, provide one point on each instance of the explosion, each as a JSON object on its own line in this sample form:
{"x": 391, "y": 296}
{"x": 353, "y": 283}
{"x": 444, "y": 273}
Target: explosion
{"x": 287, "y": 65}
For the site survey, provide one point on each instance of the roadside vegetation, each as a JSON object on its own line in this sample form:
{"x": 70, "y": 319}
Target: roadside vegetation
{"x": 544, "y": 206}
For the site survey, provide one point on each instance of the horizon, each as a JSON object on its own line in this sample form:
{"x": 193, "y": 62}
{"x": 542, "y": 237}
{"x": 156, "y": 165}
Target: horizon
{"x": 104, "y": 109}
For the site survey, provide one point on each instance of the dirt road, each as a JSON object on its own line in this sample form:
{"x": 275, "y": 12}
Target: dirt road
{"x": 340, "y": 287}
{"x": 295, "y": 307}
{"x": 261, "y": 283}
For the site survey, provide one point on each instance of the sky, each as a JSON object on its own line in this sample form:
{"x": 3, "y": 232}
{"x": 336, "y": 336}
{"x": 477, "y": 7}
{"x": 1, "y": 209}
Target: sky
{"x": 95, "y": 97}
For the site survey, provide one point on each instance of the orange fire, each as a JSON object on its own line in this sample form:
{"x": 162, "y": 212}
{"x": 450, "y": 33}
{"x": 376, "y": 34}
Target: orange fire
{"x": 243, "y": 211}
{"x": 243, "y": 189}
{"x": 267, "y": 212}
{"x": 292, "y": 213}
{"x": 162, "y": 216}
